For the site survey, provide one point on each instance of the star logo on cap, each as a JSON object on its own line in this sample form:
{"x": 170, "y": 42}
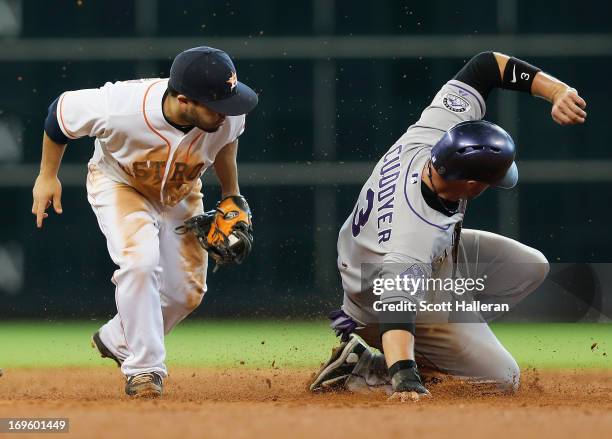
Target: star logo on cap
{"x": 232, "y": 81}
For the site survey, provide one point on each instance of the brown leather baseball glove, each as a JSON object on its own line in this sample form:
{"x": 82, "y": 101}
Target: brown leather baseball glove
{"x": 226, "y": 233}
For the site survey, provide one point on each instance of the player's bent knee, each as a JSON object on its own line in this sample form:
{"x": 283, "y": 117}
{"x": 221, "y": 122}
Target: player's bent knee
{"x": 538, "y": 258}
{"x": 193, "y": 299}
{"x": 195, "y": 288}
{"x": 530, "y": 267}
{"x": 543, "y": 269}
{"x": 190, "y": 298}
{"x": 537, "y": 267}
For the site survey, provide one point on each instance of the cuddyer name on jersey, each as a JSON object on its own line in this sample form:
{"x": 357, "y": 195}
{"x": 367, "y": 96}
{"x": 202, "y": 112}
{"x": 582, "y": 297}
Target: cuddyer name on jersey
{"x": 389, "y": 173}
{"x": 387, "y": 183}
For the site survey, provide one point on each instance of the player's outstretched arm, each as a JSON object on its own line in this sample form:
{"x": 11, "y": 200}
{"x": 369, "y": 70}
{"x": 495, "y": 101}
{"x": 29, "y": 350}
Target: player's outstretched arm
{"x": 80, "y": 113}
{"x": 397, "y": 327}
{"x": 47, "y": 188}
{"x": 568, "y": 106}
{"x": 489, "y": 70}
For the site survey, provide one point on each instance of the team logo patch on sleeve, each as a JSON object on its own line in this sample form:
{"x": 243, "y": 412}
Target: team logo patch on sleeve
{"x": 455, "y": 103}
{"x": 414, "y": 271}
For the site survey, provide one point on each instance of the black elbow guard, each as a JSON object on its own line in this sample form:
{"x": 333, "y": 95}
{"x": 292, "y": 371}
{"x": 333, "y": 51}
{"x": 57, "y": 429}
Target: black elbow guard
{"x": 519, "y": 75}
{"x": 481, "y": 72}
{"x": 52, "y": 127}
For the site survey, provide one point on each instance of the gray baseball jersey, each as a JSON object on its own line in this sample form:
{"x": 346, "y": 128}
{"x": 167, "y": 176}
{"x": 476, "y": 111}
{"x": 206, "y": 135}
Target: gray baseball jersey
{"x": 391, "y": 224}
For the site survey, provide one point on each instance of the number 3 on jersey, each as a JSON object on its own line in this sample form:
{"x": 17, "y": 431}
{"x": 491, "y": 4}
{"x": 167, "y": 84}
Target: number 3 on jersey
{"x": 362, "y": 216}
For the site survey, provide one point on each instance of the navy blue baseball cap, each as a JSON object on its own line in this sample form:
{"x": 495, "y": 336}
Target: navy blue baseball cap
{"x": 208, "y": 76}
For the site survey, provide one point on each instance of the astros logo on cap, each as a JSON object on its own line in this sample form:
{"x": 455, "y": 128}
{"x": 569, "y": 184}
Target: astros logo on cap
{"x": 232, "y": 81}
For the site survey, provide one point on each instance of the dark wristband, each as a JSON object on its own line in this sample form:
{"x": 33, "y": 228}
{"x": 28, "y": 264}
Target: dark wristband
{"x": 401, "y": 365}
{"x": 519, "y": 75}
{"x": 402, "y": 326}
{"x": 405, "y": 377}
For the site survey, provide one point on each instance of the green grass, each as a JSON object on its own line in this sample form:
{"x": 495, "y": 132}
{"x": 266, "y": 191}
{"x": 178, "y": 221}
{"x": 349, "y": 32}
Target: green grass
{"x": 287, "y": 343}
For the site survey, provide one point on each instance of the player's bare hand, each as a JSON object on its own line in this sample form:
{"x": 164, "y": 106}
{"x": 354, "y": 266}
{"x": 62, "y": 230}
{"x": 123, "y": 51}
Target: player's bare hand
{"x": 568, "y": 107}
{"x": 47, "y": 191}
{"x": 408, "y": 396}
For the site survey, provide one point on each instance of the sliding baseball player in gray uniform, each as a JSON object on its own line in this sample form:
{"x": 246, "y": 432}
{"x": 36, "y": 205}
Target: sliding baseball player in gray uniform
{"x": 416, "y": 286}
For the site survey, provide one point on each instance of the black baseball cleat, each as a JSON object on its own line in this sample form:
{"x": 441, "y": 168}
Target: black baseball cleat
{"x": 338, "y": 369}
{"x": 96, "y": 343}
{"x": 144, "y": 385}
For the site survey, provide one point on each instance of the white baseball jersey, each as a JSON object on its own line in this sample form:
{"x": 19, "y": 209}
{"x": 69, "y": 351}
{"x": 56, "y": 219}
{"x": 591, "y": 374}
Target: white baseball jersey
{"x": 135, "y": 144}
{"x": 143, "y": 182}
{"x": 391, "y": 223}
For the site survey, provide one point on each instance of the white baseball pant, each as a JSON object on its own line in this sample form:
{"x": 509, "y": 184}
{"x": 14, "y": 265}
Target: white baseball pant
{"x": 161, "y": 276}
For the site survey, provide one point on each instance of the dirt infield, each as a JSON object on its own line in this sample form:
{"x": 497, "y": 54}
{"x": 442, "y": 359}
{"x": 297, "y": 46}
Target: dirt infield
{"x": 273, "y": 403}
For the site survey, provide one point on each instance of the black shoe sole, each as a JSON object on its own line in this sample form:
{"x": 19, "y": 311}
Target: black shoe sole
{"x": 96, "y": 343}
{"x": 339, "y": 356}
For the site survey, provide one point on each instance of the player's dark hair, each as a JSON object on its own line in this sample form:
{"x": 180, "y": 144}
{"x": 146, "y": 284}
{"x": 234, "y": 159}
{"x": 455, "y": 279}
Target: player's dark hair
{"x": 172, "y": 92}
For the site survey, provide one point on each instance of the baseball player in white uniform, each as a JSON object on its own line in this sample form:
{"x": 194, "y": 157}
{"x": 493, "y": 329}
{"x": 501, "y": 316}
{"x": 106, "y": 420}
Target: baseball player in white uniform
{"x": 406, "y": 226}
{"x": 154, "y": 138}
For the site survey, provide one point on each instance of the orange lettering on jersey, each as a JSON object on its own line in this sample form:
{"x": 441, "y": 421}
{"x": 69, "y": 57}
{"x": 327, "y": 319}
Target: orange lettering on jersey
{"x": 179, "y": 171}
{"x": 124, "y": 169}
{"x": 195, "y": 171}
{"x": 159, "y": 166}
{"x": 140, "y": 169}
